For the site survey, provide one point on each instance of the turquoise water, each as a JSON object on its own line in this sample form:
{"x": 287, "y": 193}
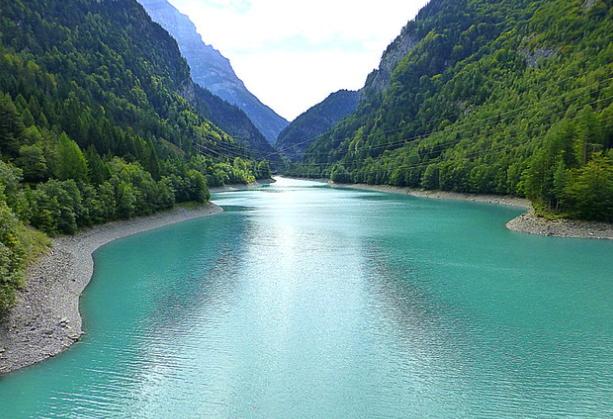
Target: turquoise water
{"x": 306, "y": 301}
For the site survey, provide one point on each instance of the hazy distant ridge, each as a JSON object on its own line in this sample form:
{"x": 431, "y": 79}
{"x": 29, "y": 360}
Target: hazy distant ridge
{"x": 212, "y": 70}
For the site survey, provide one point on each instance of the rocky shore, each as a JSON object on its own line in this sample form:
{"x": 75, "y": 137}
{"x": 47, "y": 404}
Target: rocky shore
{"x": 528, "y": 222}
{"x": 532, "y": 224}
{"x": 46, "y": 319}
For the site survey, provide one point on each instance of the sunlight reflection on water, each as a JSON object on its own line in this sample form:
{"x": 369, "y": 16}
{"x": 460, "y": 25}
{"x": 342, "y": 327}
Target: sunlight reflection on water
{"x": 306, "y": 301}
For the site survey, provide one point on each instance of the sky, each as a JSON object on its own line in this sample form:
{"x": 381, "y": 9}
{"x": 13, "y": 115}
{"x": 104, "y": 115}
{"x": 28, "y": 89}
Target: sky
{"x": 293, "y": 53}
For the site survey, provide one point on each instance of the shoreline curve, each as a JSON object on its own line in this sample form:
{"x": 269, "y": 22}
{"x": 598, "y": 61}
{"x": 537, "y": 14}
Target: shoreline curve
{"x": 46, "y": 319}
{"x": 527, "y": 222}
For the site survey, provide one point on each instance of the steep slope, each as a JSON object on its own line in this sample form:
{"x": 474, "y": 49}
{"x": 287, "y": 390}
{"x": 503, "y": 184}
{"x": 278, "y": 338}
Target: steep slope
{"x": 507, "y": 97}
{"x": 95, "y": 124}
{"x": 379, "y": 79}
{"x": 233, "y": 121}
{"x": 303, "y": 131}
{"x": 299, "y": 134}
{"x": 212, "y": 70}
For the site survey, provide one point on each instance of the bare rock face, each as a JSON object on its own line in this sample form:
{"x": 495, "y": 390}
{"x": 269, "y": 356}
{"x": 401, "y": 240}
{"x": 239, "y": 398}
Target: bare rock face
{"x": 211, "y": 70}
{"x": 379, "y": 79}
{"x": 588, "y": 4}
{"x": 538, "y": 56}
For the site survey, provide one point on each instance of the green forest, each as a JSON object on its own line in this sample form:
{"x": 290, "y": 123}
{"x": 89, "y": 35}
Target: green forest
{"x": 512, "y": 97}
{"x": 295, "y": 138}
{"x": 99, "y": 120}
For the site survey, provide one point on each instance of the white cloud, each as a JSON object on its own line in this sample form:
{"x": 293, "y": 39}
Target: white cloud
{"x": 293, "y": 53}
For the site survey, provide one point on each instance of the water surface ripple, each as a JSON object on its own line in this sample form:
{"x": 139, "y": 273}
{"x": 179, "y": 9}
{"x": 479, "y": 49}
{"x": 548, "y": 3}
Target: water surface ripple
{"x": 306, "y": 301}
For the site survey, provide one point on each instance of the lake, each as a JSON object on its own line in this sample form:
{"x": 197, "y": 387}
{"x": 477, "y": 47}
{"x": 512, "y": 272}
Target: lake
{"x": 301, "y": 300}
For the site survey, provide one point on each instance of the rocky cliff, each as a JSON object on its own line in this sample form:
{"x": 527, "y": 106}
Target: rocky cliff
{"x": 211, "y": 70}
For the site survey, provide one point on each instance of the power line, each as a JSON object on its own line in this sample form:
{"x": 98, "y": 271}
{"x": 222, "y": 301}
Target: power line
{"x": 435, "y": 147}
{"x": 497, "y": 116}
{"x": 468, "y": 156}
{"x": 470, "y": 122}
{"x": 226, "y": 147}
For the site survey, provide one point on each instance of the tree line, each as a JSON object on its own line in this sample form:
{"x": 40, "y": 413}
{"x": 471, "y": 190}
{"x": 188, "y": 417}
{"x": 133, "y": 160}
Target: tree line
{"x": 509, "y": 97}
{"x": 97, "y": 123}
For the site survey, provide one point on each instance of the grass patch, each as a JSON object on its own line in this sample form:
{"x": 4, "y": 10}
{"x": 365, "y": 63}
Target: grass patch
{"x": 35, "y": 242}
{"x": 548, "y": 214}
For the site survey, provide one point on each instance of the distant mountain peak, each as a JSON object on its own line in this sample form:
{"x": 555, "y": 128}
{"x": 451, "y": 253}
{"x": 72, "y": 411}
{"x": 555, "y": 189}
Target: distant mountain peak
{"x": 211, "y": 70}
{"x": 296, "y": 138}
{"x": 298, "y": 135}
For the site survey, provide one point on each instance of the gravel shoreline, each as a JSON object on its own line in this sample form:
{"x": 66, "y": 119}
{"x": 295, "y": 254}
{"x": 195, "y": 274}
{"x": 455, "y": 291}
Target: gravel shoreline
{"x": 528, "y": 222}
{"x": 46, "y": 318}
{"x": 532, "y": 224}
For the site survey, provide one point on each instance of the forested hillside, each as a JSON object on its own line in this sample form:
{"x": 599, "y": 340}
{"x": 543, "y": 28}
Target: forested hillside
{"x": 305, "y": 129}
{"x": 211, "y": 70}
{"x": 200, "y": 56}
{"x": 234, "y": 122}
{"x": 506, "y": 97}
{"x": 99, "y": 120}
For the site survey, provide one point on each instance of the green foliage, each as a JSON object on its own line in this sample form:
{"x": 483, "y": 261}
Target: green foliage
{"x": 10, "y": 178}
{"x": 12, "y": 257}
{"x": 11, "y": 126}
{"x": 570, "y": 174}
{"x": 69, "y": 162}
{"x": 239, "y": 171}
{"x": 56, "y": 206}
{"x": 99, "y": 120}
{"x": 236, "y": 123}
{"x": 112, "y": 81}
{"x": 263, "y": 170}
{"x": 589, "y": 190}
{"x": 33, "y": 163}
{"x": 197, "y": 189}
{"x": 339, "y": 174}
{"x": 301, "y": 132}
{"x": 166, "y": 194}
{"x": 98, "y": 169}
{"x": 506, "y": 97}
{"x": 125, "y": 197}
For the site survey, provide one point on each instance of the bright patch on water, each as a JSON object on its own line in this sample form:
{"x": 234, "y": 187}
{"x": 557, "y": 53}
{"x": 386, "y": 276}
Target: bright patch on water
{"x": 306, "y": 301}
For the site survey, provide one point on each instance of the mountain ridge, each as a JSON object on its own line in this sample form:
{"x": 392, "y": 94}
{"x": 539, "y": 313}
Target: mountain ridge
{"x": 511, "y": 97}
{"x": 97, "y": 123}
{"x": 302, "y": 131}
{"x": 213, "y": 71}
{"x": 295, "y": 139}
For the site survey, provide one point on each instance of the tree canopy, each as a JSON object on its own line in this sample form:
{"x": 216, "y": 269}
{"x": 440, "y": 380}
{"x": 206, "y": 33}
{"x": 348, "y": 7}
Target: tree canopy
{"x": 506, "y": 97}
{"x": 100, "y": 120}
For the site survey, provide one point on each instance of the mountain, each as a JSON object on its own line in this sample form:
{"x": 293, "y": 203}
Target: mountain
{"x": 380, "y": 78}
{"x": 507, "y": 97}
{"x": 305, "y": 129}
{"x": 212, "y": 70}
{"x": 99, "y": 120}
{"x": 297, "y": 136}
{"x": 232, "y": 120}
